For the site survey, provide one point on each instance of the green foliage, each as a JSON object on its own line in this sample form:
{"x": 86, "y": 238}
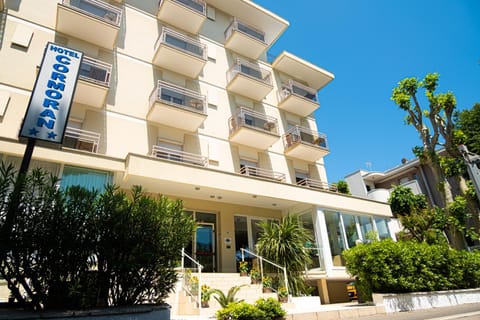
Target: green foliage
{"x": 240, "y": 311}
{"x": 396, "y": 267}
{"x": 271, "y": 307}
{"x": 403, "y": 202}
{"x": 452, "y": 166}
{"x": 283, "y": 243}
{"x": 225, "y": 300}
{"x": 264, "y": 309}
{"x": 342, "y": 187}
{"x": 76, "y": 248}
{"x": 468, "y": 121}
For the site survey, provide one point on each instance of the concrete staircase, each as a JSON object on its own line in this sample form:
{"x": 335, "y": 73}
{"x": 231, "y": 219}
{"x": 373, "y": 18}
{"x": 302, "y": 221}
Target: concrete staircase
{"x": 184, "y": 304}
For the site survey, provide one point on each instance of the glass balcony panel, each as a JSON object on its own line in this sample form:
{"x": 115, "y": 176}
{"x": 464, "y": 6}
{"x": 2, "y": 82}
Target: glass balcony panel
{"x": 95, "y": 71}
{"x": 181, "y": 42}
{"x": 195, "y": 5}
{"x": 98, "y": 9}
{"x": 81, "y": 139}
{"x": 305, "y": 144}
{"x": 237, "y": 25}
{"x": 180, "y": 97}
{"x": 255, "y": 120}
{"x": 180, "y": 156}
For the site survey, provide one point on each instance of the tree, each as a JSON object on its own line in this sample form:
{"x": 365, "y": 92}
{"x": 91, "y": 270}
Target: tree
{"x": 469, "y": 125}
{"x": 284, "y": 242}
{"x": 436, "y": 128}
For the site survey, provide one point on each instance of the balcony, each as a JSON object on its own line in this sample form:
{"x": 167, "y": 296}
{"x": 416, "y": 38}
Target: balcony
{"x": 297, "y": 98}
{"x": 94, "y": 82}
{"x": 180, "y": 156}
{"x": 249, "y": 80}
{"x": 245, "y": 40}
{"x": 253, "y": 129}
{"x": 297, "y": 68}
{"x": 180, "y": 53}
{"x": 81, "y": 139}
{"x": 316, "y": 184}
{"x": 94, "y": 21}
{"x": 177, "y": 107}
{"x": 188, "y": 15}
{"x": 304, "y": 144}
{"x": 262, "y": 173}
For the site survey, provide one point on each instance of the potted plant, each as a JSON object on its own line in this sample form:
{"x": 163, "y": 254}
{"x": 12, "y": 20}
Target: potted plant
{"x": 254, "y": 276}
{"x": 193, "y": 285}
{"x": 282, "y": 294}
{"x": 206, "y": 293}
{"x": 243, "y": 267}
{"x": 267, "y": 284}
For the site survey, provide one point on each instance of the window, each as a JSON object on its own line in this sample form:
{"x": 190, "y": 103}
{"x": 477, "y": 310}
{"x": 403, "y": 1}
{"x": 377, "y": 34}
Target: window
{"x": 335, "y": 237}
{"x": 248, "y": 167}
{"x": 87, "y": 178}
{"x": 300, "y": 178}
{"x": 382, "y": 228}
{"x": 350, "y": 226}
{"x": 366, "y": 225}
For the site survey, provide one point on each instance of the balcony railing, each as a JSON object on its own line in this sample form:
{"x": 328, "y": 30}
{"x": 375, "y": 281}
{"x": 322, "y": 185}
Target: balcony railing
{"x": 250, "y": 70}
{"x": 81, "y": 139}
{"x": 299, "y": 134}
{"x": 181, "y": 42}
{"x": 237, "y": 25}
{"x": 180, "y": 156}
{"x": 263, "y": 173}
{"x": 95, "y": 71}
{"x": 179, "y": 97}
{"x": 97, "y": 9}
{"x": 197, "y": 5}
{"x": 316, "y": 184}
{"x": 252, "y": 119}
{"x": 294, "y": 88}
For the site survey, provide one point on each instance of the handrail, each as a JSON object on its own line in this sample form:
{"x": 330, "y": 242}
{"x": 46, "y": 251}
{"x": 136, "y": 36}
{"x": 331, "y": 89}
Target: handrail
{"x": 190, "y": 4}
{"x": 250, "y": 70}
{"x": 84, "y": 136}
{"x": 284, "y": 269}
{"x": 181, "y": 156}
{"x": 162, "y": 38}
{"x": 198, "y": 298}
{"x": 246, "y": 117}
{"x": 263, "y": 173}
{"x": 298, "y": 134}
{"x": 293, "y": 87}
{"x": 246, "y": 29}
{"x": 102, "y": 77}
{"x": 177, "y": 96}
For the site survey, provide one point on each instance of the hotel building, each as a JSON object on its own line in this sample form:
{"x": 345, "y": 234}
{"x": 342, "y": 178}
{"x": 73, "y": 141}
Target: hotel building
{"x": 180, "y": 96}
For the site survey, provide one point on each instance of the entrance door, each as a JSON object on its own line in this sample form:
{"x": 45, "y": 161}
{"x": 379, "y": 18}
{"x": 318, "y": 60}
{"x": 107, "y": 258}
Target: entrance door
{"x": 204, "y": 246}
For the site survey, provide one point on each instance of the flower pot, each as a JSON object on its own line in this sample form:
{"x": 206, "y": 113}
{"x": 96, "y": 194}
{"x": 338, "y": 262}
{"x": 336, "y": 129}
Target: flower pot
{"x": 283, "y": 299}
{"x": 267, "y": 290}
{"x": 205, "y": 304}
{"x": 243, "y": 273}
{"x": 254, "y": 281}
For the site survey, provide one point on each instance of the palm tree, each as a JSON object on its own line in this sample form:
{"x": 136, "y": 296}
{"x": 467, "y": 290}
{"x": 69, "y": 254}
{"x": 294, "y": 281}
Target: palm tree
{"x": 283, "y": 243}
{"x": 223, "y": 299}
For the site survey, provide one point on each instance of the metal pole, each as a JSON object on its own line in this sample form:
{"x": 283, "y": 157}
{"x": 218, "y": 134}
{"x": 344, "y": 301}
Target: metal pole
{"x": 472, "y": 161}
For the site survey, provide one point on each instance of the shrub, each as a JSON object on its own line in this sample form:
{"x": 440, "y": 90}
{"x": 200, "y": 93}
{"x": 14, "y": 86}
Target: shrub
{"x": 271, "y": 308}
{"x": 407, "y": 266}
{"x": 240, "y": 311}
{"x": 77, "y": 248}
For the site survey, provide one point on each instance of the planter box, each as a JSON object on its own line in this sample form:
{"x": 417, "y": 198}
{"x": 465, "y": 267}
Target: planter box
{"x": 145, "y": 312}
{"x": 425, "y": 300}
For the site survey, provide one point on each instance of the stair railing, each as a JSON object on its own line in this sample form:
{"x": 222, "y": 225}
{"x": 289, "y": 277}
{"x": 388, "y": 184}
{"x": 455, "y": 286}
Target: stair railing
{"x": 261, "y": 260}
{"x": 198, "y": 295}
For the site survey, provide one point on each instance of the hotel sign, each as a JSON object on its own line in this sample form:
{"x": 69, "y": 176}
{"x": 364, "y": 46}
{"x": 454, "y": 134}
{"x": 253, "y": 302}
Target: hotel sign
{"x": 52, "y": 95}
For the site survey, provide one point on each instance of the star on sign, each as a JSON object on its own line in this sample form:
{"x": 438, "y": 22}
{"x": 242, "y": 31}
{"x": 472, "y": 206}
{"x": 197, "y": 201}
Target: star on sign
{"x": 33, "y": 132}
{"x": 52, "y": 135}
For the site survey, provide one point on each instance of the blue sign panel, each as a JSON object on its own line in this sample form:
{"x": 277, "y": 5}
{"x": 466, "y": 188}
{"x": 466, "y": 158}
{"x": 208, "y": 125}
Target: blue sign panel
{"x": 52, "y": 95}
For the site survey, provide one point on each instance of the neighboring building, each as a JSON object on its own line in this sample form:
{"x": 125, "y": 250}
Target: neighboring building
{"x": 378, "y": 185}
{"x": 178, "y": 96}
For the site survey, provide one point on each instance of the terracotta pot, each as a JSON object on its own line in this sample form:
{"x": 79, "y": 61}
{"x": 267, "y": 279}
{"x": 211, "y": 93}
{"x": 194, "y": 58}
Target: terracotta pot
{"x": 283, "y": 299}
{"x": 267, "y": 290}
{"x": 205, "y": 304}
{"x": 243, "y": 274}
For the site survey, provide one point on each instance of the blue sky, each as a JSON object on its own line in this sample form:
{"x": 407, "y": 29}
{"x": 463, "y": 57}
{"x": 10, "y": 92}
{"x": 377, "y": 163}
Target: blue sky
{"x": 370, "y": 45}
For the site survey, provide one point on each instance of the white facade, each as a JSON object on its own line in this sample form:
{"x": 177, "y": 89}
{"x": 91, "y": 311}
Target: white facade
{"x": 179, "y": 97}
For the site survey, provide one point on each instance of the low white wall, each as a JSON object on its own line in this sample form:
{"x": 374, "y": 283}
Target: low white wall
{"x": 424, "y": 300}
